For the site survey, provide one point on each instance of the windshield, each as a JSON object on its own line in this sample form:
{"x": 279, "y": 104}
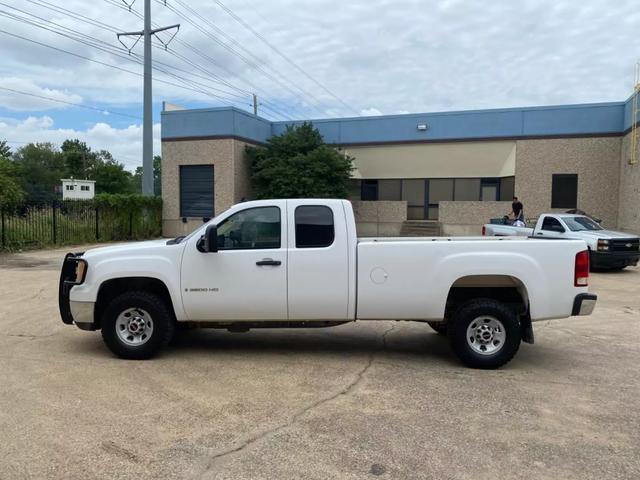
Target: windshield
{"x": 578, "y": 224}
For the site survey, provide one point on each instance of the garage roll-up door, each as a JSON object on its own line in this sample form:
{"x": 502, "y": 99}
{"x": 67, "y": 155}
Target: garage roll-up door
{"x": 196, "y": 191}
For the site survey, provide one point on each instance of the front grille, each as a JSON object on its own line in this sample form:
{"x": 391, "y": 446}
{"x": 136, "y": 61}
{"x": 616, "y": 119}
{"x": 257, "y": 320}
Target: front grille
{"x": 624, "y": 245}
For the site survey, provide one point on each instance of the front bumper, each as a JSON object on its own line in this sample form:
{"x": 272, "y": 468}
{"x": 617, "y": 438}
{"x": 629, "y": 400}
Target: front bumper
{"x": 614, "y": 259}
{"x": 80, "y": 313}
{"x": 584, "y": 303}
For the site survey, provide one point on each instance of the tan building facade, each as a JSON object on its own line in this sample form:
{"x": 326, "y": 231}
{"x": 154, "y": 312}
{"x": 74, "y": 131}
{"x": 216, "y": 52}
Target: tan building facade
{"x": 458, "y": 169}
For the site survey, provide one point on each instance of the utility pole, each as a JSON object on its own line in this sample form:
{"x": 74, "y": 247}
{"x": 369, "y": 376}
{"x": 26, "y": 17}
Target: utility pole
{"x": 147, "y": 123}
{"x": 255, "y": 104}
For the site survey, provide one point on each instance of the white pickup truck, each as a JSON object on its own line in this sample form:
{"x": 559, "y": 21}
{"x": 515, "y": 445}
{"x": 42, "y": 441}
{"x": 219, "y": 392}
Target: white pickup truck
{"x": 608, "y": 249}
{"x": 298, "y": 263}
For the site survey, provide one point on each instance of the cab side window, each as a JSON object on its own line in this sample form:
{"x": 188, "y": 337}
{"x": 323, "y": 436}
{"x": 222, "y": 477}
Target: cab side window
{"x": 551, "y": 224}
{"x": 314, "y": 226}
{"x": 254, "y": 228}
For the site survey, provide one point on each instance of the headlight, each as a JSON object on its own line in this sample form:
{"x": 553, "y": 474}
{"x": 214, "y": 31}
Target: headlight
{"x": 603, "y": 245}
{"x": 81, "y": 271}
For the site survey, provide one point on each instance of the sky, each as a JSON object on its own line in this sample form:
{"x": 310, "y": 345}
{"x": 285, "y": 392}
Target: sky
{"x": 304, "y": 59}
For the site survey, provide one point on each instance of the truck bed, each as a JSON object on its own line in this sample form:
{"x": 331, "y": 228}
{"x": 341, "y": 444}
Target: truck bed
{"x": 410, "y": 278}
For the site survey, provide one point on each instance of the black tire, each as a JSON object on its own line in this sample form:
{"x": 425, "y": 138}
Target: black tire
{"x": 162, "y": 321}
{"x": 473, "y": 311}
{"x": 439, "y": 327}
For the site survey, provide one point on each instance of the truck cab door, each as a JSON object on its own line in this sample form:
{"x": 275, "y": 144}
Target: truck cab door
{"x": 551, "y": 228}
{"x": 246, "y": 279}
{"x": 318, "y": 264}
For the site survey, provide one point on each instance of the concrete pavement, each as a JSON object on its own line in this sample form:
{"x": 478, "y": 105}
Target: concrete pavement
{"x": 363, "y": 400}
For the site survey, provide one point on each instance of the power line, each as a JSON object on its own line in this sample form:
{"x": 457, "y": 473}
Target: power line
{"x": 239, "y": 19}
{"x": 253, "y": 64}
{"x": 266, "y": 104}
{"x": 114, "y": 50}
{"x": 88, "y": 107}
{"x": 92, "y": 42}
{"x": 99, "y": 62}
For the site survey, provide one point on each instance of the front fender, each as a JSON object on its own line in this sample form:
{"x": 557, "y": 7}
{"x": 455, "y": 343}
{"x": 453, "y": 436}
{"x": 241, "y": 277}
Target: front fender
{"x": 158, "y": 267}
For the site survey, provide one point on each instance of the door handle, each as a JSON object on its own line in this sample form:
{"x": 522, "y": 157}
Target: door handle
{"x": 540, "y": 233}
{"x": 268, "y": 261}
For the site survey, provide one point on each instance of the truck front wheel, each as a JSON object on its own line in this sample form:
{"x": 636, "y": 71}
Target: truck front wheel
{"x": 439, "y": 327}
{"x": 485, "y": 333}
{"x": 136, "y": 325}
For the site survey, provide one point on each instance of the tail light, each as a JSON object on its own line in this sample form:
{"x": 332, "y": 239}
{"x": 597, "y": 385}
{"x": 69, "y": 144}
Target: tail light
{"x": 581, "y": 278}
{"x": 484, "y": 230}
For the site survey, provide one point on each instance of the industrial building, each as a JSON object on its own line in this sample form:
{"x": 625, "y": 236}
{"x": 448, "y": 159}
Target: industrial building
{"x": 445, "y": 172}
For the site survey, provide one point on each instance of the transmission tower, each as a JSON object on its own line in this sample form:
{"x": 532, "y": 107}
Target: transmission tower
{"x": 147, "y": 123}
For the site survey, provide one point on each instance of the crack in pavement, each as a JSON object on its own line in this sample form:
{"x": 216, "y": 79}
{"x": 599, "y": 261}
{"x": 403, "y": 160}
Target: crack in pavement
{"x": 29, "y": 336}
{"x": 272, "y": 431}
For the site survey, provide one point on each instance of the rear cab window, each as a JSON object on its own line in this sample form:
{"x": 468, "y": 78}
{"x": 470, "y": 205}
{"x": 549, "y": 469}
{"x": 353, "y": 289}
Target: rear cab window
{"x": 314, "y": 226}
{"x": 552, "y": 224}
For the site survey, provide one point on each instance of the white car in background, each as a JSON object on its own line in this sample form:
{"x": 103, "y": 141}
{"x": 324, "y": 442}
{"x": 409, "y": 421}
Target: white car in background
{"x": 608, "y": 249}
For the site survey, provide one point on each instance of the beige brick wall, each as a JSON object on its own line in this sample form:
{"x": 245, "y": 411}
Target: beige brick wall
{"x": 382, "y": 218}
{"x": 220, "y": 154}
{"x": 466, "y": 218}
{"x": 629, "y": 200}
{"x": 595, "y": 160}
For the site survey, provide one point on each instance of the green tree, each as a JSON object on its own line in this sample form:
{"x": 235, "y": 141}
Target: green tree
{"x": 40, "y": 166}
{"x": 5, "y": 149}
{"x": 111, "y": 176}
{"x": 157, "y": 177}
{"x": 78, "y": 158}
{"x": 10, "y": 191}
{"x": 298, "y": 164}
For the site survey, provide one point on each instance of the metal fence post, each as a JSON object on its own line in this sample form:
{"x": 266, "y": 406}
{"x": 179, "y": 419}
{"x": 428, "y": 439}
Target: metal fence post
{"x": 97, "y": 225}
{"x": 53, "y": 223}
{"x": 130, "y": 224}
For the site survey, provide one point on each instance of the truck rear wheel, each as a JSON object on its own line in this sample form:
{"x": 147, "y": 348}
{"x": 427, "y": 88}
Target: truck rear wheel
{"x": 485, "y": 333}
{"x": 136, "y": 325}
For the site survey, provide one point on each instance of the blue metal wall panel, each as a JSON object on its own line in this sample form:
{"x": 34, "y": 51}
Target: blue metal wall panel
{"x": 214, "y": 122}
{"x": 605, "y": 118}
{"x": 574, "y": 120}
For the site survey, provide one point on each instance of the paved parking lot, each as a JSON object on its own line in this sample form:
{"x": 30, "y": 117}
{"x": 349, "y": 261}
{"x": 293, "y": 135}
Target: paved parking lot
{"x": 364, "y": 400}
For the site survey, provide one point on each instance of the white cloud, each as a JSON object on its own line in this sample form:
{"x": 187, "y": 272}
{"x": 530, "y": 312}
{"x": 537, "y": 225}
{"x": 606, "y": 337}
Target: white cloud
{"x": 125, "y": 144}
{"x": 370, "y": 112}
{"x": 12, "y": 100}
{"x": 399, "y": 55}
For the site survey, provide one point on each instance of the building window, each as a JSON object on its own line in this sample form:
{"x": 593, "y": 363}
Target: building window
{"x": 413, "y": 192}
{"x": 466, "y": 189}
{"x": 507, "y": 188}
{"x": 564, "y": 190}
{"x": 440, "y": 190}
{"x": 369, "y": 190}
{"x": 69, "y": 187}
{"x": 314, "y": 226}
{"x": 84, "y": 188}
{"x": 355, "y": 190}
{"x": 196, "y": 191}
{"x": 489, "y": 189}
{"x": 390, "y": 190}
{"x": 254, "y": 228}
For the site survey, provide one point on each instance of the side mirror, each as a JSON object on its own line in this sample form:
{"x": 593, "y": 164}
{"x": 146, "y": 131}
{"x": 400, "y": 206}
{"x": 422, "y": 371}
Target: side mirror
{"x": 208, "y": 243}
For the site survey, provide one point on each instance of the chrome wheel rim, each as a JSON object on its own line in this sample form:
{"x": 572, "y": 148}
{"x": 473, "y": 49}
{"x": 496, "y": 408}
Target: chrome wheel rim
{"x": 486, "y": 335}
{"x": 134, "y": 326}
